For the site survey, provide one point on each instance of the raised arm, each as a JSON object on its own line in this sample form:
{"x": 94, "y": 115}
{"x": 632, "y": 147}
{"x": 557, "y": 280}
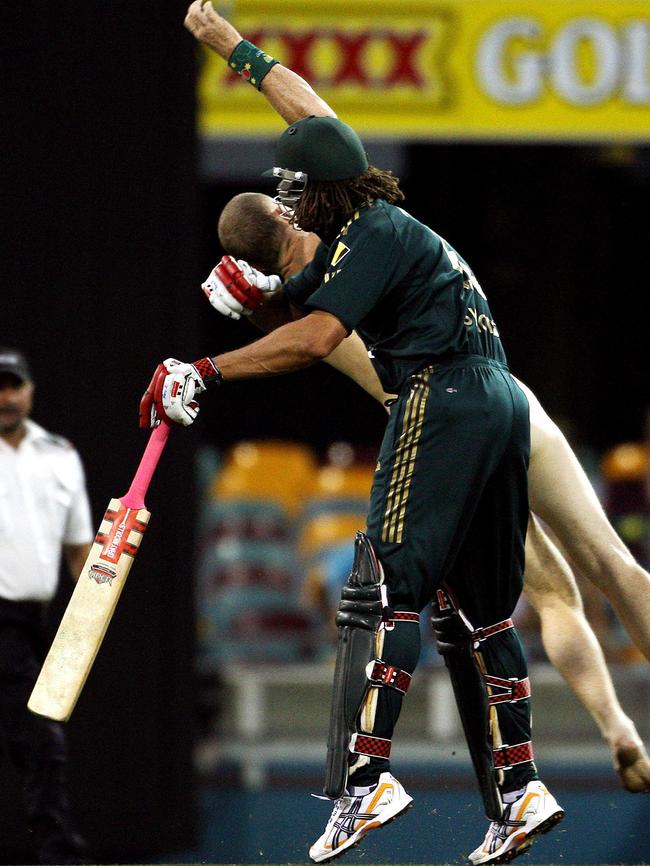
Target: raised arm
{"x": 289, "y": 94}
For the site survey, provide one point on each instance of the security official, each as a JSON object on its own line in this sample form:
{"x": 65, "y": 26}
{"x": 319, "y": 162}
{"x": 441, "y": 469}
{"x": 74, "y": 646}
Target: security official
{"x": 43, "y": 509}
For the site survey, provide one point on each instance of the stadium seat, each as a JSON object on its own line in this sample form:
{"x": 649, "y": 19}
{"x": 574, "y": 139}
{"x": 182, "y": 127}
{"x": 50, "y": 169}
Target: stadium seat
{"x": 255, "y": 625}
{"x": 258, "y": 519}
{"x": 244, "y": 562}
{"x": 279, "y": 471}
{"x": 342, "y": 491}
{"x": 629, "y": 461}
{"x": 328, "y": 528}
{"x": 352, "y": 482}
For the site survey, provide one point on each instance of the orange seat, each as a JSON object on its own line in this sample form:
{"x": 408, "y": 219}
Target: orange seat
{"x": 629, "y": 461}
{"x": 277, "y": 470}
{"x": 329, "y": 528}
{"x": 334, "y": 482}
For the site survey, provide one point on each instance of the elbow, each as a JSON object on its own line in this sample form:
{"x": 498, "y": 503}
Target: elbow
{"x": 318, "y": 347}
{"x": 321, "y": 333}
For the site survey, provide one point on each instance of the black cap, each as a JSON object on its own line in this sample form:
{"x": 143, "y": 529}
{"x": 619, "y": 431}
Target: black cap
{"x": 14, "y": 362}
{"x": 324, "y": 148}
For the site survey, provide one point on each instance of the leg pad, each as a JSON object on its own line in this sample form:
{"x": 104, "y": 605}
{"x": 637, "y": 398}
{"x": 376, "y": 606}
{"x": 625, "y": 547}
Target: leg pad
{"x": 455, "y": 641}
{"x": 361, "y": 612}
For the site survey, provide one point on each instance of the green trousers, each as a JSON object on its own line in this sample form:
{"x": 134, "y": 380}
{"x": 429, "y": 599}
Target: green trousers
{"x": 449, "y": 506}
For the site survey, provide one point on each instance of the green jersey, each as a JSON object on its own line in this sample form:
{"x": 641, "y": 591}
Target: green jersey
{"x": 403, "y": 288}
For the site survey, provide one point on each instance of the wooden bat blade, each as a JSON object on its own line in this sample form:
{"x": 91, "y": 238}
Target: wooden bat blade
{"x": 89, "y": 612}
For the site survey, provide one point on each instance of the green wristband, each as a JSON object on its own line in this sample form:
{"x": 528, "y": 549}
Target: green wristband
{"x": 251, "y": 62}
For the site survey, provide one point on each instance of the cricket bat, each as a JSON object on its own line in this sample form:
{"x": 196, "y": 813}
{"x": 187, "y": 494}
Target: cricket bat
{"x": 96, "y": 594}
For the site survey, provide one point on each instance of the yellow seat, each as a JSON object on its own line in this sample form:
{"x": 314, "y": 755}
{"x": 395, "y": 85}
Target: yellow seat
{"x": 329, "y": 528}
{"x": 629, "y": 461}
{"x": 334, "y": 482}
{"x": 277, "y": 470}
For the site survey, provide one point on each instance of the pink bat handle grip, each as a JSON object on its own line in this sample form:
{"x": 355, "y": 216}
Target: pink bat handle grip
{"x": 134, "y": 497}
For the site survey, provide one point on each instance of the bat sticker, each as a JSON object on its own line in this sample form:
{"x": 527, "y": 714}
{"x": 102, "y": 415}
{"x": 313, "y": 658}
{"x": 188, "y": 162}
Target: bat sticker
{"x": 102, "y": 574}
{"x": 115, "y": 542}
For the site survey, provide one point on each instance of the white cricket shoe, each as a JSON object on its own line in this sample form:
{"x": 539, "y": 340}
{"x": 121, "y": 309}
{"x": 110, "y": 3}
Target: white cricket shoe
{"x": 534, "y": 812}
{"x": 352, "y": 817}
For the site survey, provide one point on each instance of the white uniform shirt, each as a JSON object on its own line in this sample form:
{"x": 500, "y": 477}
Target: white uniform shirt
{"x": 43, "y": 505}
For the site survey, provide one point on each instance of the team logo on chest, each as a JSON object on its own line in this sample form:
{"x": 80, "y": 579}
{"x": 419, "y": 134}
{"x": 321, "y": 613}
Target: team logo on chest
{"x": 340, "y": 253}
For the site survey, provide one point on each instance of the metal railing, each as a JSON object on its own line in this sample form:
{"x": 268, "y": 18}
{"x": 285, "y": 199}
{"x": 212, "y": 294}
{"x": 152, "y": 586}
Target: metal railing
{"x": 278, "y": 715}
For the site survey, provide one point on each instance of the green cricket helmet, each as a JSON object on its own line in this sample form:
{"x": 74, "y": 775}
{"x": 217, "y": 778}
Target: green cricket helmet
{"x": 316, "y": 148}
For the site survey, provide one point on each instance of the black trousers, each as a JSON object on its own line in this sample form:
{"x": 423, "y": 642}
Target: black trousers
{"x": 36, "y": 746}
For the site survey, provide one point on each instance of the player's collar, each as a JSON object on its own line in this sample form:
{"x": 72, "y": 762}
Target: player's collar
{"x": 342, "y": 232}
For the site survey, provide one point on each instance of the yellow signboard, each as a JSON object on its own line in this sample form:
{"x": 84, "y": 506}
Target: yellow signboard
{"x": 533, "y": 69}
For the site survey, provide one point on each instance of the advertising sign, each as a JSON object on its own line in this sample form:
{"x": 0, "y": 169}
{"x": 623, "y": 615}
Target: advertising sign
{"x": 559, "y": 69}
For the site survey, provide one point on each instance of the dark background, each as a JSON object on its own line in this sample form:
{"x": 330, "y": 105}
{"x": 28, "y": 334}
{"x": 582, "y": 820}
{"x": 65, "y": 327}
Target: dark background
{"x": 107, "y": 232}
{"x": 100, "y": 213}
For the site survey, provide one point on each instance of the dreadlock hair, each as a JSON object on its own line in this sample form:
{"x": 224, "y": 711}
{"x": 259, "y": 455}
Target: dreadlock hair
{"x": 246, "y": 231}
{"x": 326, "y": 204}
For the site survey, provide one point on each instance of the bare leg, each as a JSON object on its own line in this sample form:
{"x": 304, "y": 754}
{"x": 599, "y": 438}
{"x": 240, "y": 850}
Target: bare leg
{"x": 560, "y": 493}
{"x": 573, "y": 649}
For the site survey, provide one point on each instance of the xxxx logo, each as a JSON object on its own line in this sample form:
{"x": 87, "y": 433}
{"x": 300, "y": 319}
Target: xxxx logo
{"x": 331, "y": 57}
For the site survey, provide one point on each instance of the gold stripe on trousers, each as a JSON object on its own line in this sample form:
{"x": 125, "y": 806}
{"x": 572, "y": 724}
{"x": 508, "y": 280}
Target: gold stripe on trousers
{"x": 407, "y": 448}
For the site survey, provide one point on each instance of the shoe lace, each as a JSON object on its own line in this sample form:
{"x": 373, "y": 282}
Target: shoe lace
{"x": 499, "y": 829}
{"x": 340, "y": 808}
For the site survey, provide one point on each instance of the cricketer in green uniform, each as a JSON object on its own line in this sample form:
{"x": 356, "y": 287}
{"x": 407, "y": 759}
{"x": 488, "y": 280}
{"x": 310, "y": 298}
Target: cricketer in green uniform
{"x": 449, "y": 502}
{"x": 449, "y": 505}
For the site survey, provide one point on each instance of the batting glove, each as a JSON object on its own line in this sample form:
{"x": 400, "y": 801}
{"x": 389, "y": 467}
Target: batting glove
{"x": 172, "y": 391}
{"x": 236, "y": 289}
{"x": 148, "y": 416}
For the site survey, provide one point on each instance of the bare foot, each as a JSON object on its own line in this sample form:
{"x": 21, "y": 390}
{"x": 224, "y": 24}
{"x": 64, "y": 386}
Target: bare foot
{"x": 632, "y": 765}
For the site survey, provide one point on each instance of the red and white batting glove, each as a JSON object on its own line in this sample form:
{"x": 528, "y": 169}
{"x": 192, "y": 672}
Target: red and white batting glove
{"x": 171, "y": 392}
{"x": 148, "y": 416}
{"x": 236, "y": 289}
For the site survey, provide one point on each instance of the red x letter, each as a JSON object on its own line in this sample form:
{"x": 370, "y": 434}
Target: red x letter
{"x": 404, "y": 46}
{"x": 298, "y": 46}
{"x": 351, "y": 46}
